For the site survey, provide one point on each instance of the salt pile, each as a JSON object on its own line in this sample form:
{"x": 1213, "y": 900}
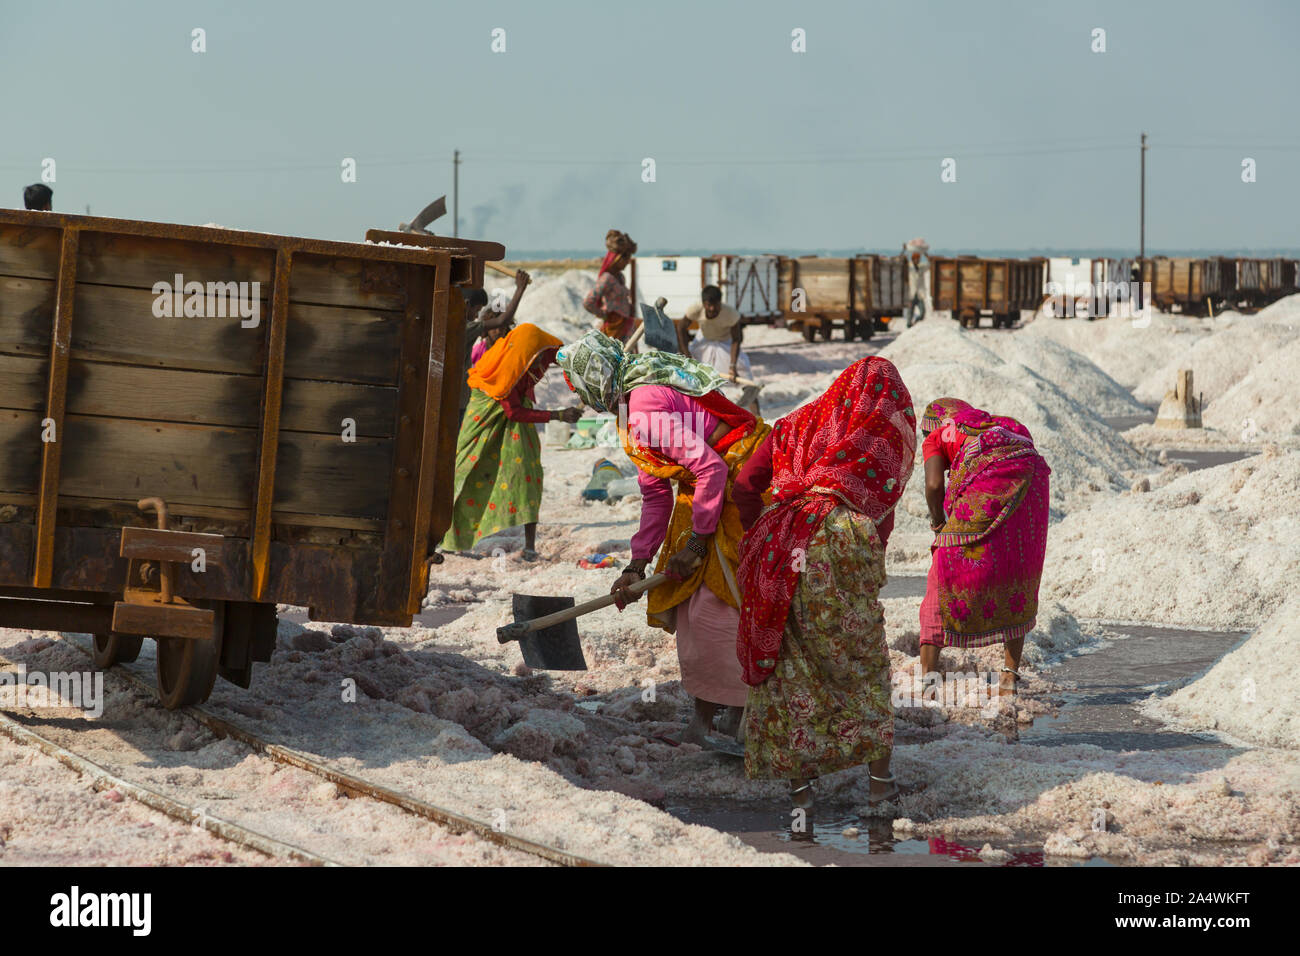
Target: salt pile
{"x": 1250, "y": 693}
{"x": 1265, "y": 402}
{"x": 1084, "y": 453}
{"x": 1216, "y": 548}
{"x": 553, "y": 302}
{"x": 943, "y": 341}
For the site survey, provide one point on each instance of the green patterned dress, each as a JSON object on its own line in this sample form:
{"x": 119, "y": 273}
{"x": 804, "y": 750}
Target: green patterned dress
{"x": 498, "y": 474}
{"x": 827, "y": 707}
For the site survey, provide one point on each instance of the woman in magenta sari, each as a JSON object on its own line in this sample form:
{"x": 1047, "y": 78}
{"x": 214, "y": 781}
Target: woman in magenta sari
{"x": 990, "y": 525}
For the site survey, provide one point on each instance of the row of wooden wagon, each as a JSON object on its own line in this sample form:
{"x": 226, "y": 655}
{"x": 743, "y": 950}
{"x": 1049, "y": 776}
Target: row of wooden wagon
{"x": 857, "y": 295}
{"x": 1093, "y": 288}
{"x": 1200, "y": 286}
{"x": 198, "y": 424}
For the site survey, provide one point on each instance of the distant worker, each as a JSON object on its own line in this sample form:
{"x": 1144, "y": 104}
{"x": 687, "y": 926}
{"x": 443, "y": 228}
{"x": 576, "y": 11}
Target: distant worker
{"x": 38, "y": 196}
{"x": 918, "y": 281}
{"x": 611, "y": 299}
{"x": 718, "y": 342}
{"x": 484, "y": 325}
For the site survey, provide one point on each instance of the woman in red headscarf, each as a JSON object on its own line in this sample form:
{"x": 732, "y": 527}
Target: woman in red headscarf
{"x": 812, "y": 633}
{"x": 610, "y": 298}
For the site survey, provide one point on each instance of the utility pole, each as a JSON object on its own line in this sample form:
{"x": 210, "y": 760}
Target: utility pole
{"x": 455, "y": 191}
{"x": 1142, "y": 220}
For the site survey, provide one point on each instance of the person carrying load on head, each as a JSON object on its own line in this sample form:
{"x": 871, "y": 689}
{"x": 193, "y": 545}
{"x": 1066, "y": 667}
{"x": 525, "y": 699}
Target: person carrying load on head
{"x": 679, "y": 429}
{"x": 718, "y": 342}
{"x": 610, "y": 298}
{"x": 918, "y": 281}
{"x": 498, "y": 454}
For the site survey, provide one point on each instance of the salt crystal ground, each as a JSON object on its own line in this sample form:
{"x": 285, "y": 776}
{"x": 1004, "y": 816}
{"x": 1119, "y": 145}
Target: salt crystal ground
{"x": 449, "y": 715}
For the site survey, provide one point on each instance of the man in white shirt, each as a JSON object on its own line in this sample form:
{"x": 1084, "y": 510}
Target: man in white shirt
{"x": 718, "y": 341}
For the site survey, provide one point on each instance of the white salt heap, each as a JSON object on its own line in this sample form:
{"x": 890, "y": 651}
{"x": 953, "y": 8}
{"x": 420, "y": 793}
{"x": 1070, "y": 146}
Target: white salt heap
{"x": 1216, "y": 548}
{"x": 1250, "y": 693}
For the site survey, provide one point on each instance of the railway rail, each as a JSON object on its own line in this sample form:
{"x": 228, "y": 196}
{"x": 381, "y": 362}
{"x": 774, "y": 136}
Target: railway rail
{"x": 349, "y": 783}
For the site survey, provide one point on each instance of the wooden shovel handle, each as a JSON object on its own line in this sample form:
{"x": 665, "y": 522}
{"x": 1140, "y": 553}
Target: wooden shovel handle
{"x": 502, "y": 270}
{"x": 559, "y": 617}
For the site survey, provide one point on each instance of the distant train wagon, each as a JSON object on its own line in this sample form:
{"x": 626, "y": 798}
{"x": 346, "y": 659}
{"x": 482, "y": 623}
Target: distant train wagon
{"x": 1201, "y": 286}
{"x": 970, "y": 286}
{"x": 813, "y": 294}
{"x": 198, "y": 424}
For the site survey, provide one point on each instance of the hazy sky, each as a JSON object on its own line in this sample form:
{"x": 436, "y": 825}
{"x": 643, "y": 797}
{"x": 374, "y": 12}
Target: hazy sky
{"x": 756, "y": 147}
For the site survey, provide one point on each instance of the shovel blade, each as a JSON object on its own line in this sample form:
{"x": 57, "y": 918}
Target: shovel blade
{"x": 555, "y": 648}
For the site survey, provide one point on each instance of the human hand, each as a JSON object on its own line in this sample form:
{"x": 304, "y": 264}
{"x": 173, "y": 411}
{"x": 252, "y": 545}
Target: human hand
{"x": 522, "y": 279}
{"x": 683, "y": 564}
{"x": 571, "y": 415}
{"x": 733, "y": 375}
{"x": 622, "y": 596}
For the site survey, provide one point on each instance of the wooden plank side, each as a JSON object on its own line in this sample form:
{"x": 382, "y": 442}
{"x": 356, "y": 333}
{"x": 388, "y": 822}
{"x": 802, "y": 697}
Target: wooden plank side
{"x": 202, "y": 465}
{"x": 23, "y": 381}
{"x": 325, "y": 343}
{"x": 20, "y": 451}
{"x": 343, "y": 345}
{"x": 55, "y": 404}
{"x": 205, "y": 398}
{"x": 140, "y": 262}
{"x": 29, "y": 251}
{"x": 26, "y": 315}
{"x": 340, "y": 281}
{"x": 322, "y": 475}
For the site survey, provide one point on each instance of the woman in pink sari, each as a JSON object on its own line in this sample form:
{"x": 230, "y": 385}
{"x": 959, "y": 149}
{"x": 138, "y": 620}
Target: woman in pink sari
{"x": 990, "y": 524}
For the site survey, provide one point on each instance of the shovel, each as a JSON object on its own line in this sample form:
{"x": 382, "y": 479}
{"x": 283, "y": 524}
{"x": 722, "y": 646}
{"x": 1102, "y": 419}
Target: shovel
{"x": 545, "y": 630}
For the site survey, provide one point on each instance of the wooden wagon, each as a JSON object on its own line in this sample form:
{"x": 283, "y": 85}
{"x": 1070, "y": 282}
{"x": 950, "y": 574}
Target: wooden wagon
{"x": 969, "y": 286}
{"x": 199, "y": 423}
{"x": 855, "y": 294}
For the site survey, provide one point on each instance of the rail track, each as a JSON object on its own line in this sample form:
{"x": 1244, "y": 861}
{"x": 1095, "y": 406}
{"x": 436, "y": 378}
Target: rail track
{"x": 350, "y": 784}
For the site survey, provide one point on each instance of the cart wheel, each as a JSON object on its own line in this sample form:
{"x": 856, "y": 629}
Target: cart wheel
{"x": 111, "y": 649}
{"x": 825, "y": 329}
{"x": 187, "y": 668}
{"x": 850, "y": 330}
{"x": 866, "y": 328}
{"x": 809, "y": 331}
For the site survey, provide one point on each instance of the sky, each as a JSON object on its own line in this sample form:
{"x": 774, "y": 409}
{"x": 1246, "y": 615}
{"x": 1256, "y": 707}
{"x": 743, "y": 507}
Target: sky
{"x": 756, "y": 147}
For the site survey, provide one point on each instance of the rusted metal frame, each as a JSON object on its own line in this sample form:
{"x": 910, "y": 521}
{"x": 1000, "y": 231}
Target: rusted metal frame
{"x": 444, "y": 467}
{"x": 269, "y": 429}
{"x": 236, "y": 237}
{"x": 55, "y": 406}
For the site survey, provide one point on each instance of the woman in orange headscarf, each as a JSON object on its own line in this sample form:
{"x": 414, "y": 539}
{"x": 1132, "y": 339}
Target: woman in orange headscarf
{"x": 498, "y": 455}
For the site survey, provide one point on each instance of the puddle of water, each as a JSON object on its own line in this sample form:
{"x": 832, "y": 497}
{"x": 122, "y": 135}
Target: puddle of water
{"x": 1110, "y": 683}
{"x": 824, "y": 840}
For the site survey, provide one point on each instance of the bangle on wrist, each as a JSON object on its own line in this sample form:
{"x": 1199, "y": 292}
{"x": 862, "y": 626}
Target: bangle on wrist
{"x": 697, "y": 546}
{"x": 637, "y": 568}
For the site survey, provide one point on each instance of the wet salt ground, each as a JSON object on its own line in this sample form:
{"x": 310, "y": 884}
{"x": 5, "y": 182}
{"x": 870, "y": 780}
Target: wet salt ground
{"x": 824, "y": 842}
{"x": 1195, "y": 459}
{"x": 1109, "y": 683}
{"x": 1101, "y": 710}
